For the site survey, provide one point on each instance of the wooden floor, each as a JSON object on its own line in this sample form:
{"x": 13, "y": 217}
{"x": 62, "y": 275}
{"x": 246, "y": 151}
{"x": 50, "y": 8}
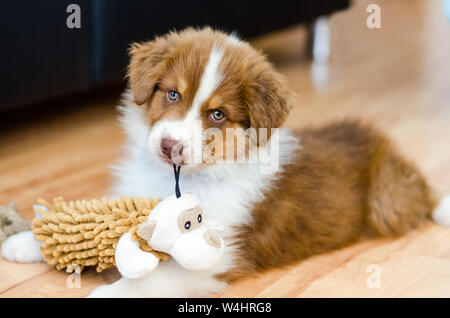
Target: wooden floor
{"x": 397, "y": 77}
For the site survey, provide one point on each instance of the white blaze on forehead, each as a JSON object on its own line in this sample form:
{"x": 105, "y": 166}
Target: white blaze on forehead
{"x": 210, "y": 80}
{"x": 188, "y": 131}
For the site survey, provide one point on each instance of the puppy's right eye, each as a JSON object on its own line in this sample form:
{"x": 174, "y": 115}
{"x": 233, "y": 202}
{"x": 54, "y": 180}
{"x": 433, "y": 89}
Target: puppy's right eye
{"x": 172, "y": 96}
{"x": 187, "y": 225}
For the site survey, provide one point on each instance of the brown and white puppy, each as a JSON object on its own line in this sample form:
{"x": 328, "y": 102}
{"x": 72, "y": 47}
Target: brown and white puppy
{"x": 328, "y": 187}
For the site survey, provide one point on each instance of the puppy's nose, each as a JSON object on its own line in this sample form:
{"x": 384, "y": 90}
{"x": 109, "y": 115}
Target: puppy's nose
{"x": 171, "y": 149}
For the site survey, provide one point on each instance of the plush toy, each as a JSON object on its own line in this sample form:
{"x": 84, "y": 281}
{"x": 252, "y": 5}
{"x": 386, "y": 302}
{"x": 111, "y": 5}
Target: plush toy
{"x": 11, "y": 222}
{"x": 129, "y": 233}
{"x": 133, "y": 234}
{"x": 176, "y": 226}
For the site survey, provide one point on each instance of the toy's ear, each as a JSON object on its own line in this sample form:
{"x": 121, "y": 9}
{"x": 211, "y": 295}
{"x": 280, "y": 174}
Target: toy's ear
{"x": 13, "y": 205}
{"x": 146, "y": 230}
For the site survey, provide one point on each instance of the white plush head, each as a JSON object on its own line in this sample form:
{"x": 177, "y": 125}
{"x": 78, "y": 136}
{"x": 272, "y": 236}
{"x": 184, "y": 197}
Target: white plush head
{"x": 176, "y": 226}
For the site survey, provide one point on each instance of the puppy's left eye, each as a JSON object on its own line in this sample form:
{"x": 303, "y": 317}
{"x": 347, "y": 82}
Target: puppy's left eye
{"x": 217, "y": 116}
{"x": 199, "y": 218}
{"x": 173, "y": 96}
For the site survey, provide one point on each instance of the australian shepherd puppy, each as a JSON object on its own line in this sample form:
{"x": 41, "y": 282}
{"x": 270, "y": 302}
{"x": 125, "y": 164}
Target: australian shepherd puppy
{"x": 280, "y": 195}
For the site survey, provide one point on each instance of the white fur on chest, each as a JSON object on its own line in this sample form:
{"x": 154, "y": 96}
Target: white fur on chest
{"x": 227, "y": 192}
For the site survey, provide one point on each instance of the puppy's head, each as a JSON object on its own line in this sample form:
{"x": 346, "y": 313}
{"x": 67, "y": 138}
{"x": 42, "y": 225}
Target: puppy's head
{"x": 195, "y": 85}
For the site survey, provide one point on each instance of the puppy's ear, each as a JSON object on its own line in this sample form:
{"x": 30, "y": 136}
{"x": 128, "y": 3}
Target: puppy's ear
{"x": 268, "y": 97}
{"x": 146, "y": 67}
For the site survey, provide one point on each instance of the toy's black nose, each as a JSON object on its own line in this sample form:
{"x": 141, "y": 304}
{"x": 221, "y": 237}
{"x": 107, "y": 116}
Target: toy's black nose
{"x": 171, "y": 149}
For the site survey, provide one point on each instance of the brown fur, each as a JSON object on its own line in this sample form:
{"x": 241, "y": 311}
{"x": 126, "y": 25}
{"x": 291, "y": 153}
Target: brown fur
{"x": 347, "y": 180}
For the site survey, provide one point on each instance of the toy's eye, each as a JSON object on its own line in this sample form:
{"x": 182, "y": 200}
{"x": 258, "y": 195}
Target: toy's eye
{"x": 217, "y": 116}
{"x": 187, "y": 225}
{"x": 199, "y": 218}
{"x": 172, "y": 96}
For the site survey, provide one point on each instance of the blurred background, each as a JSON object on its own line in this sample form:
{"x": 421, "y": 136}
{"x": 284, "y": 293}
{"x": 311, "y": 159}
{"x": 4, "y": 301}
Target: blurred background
{"x": 385, "y": 61}
{"x": 62, "y": 47}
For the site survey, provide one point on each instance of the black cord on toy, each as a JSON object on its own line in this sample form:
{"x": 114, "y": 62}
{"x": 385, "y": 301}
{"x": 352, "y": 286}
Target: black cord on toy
{"x": 177, "y": 179}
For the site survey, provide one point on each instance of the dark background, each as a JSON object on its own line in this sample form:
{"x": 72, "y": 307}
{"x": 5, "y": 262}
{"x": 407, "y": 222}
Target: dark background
{"x": 42, "y": 58}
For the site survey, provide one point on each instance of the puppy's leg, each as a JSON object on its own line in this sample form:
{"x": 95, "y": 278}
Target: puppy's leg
{"x": 22, "y": 248}
{"x": 168, "y": 280}
{"x": 399, "y": 199}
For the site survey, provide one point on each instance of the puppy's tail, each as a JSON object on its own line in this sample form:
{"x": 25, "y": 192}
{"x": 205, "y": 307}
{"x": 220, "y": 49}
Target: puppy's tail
{"x": 441, "y": 211}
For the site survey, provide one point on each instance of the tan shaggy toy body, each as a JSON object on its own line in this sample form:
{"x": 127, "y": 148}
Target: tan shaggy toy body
{"x": 83, "y": 233}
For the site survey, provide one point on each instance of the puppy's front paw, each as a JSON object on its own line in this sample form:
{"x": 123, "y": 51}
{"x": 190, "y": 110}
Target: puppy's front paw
{"x": 22, "y": 248}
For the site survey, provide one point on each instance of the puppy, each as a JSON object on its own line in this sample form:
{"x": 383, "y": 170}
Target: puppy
{"x": 321, "y": 189}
